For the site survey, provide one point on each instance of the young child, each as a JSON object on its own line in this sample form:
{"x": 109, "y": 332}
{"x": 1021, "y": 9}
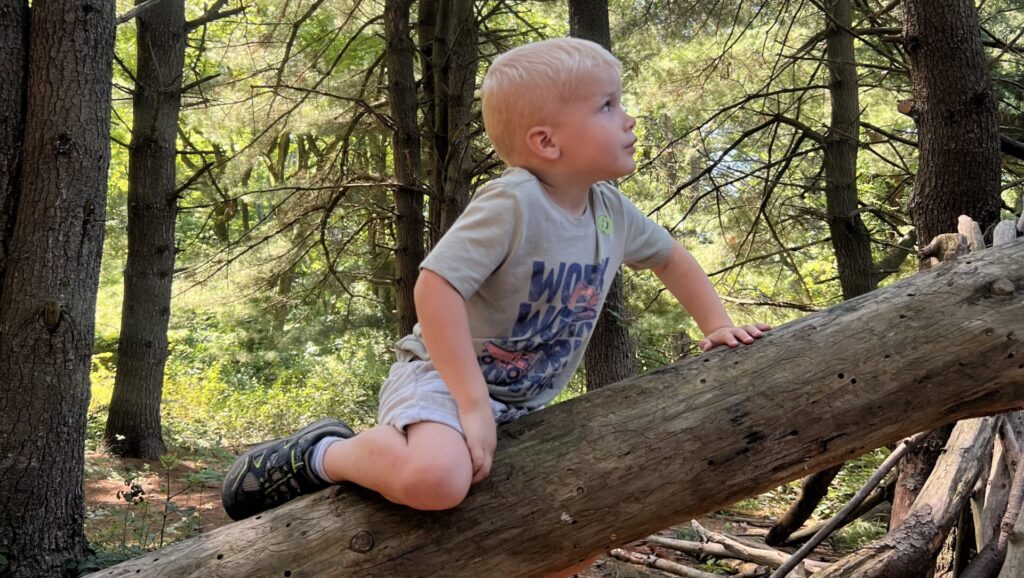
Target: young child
{"x": 507, "y": 299}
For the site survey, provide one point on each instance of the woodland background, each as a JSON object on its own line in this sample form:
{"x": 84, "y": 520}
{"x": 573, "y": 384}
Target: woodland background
{"x": 266, "y": 176}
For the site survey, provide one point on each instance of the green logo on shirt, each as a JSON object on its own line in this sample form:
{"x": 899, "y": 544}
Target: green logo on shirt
{"x": 604, "y": 224}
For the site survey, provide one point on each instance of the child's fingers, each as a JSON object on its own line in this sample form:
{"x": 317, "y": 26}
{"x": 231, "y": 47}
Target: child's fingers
{"x": 484, "y": 470}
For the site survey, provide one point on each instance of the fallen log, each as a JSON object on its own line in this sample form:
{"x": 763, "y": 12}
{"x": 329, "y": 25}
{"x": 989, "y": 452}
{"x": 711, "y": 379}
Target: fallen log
{"x": 589, "y": 474}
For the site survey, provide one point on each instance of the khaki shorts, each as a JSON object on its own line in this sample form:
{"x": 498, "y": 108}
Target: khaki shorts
{"x": 414, "y": 392}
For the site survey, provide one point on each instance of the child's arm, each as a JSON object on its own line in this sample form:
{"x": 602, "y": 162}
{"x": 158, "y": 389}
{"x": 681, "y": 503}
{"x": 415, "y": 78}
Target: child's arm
{"x": 445, "y": 327}
{"x": 685, "y": 279}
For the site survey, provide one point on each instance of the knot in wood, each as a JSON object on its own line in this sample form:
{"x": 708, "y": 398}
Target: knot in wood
{"x": 64, "y": 145}
{"x": 51, "y": 315}
{"x": 362, "y": 542}
{"x": 1002, "y": 287}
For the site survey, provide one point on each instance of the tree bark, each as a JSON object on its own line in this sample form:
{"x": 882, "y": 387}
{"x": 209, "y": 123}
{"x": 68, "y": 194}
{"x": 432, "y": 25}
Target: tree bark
{"x": 426, "y": 32}
{"x": 462, "y": 62}
{"x": 587, "y": 475}
{"x": 610, "y": 356}
{"x": 955, "y": 112}
{"x": 850, "y": 238}
{"x": 133, "y": 423}
{"x": 909, "y": 549}
{"x": 589, "y": 19}
{"x": 13, "y": 59}
{"x": 913, "y": 473}
{"x": 878, "y": 496}
{"x": 1013, "y": 565}
{"x": 813, "y": 489}
{"x": 51, "y": 278}
{"x": 992, "y": 557}
{"x": 406, "y": 144}
{"x": 439, "y": 112}
{"x": 851, "y": 241}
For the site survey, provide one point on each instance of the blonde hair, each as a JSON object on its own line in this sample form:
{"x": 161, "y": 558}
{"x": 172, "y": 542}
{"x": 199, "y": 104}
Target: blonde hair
{"x": 525, "y": 85}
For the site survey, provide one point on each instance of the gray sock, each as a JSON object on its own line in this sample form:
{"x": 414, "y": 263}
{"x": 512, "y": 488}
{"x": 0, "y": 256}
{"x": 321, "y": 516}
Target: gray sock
{"x": 317, "y": 460}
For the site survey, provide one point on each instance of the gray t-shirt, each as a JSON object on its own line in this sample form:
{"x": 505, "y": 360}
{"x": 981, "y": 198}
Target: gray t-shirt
{"x": 534, "y": 279}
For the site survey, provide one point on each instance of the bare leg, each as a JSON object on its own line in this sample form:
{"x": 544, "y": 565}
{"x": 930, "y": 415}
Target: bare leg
{"x": 427, "y": 468}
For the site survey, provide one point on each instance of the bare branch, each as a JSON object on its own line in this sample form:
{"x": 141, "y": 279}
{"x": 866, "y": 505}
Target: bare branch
{"x": 136, "y": 11}
{"x": 212, "y": 15}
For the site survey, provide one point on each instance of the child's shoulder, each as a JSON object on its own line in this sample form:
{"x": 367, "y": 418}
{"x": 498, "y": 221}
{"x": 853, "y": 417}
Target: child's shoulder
{"x": 513, "y": 179}
{"x": 515, "y": 184}
{"x": 608, "y": 195}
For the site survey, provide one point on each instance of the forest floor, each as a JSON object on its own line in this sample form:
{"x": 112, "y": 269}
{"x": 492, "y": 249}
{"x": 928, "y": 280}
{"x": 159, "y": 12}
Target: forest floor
{"x": 134, "y": 506}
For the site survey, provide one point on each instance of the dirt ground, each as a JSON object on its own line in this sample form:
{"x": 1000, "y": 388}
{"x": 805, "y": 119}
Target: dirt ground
{"x": 115, "y": 519}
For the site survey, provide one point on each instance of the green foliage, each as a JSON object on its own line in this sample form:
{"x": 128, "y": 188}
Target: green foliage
{"x": 849, "y": 481}
{"x": 283, "y": 309}
{"x": 714, "y": 566}
{"x": 857, "y": 534}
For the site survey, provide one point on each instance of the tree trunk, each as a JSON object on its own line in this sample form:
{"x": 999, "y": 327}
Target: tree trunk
{"x": 910, "y": 549}
{"x": 406, "y": 143}
{"x": 611, "y": 354}
{"x": 955, "y": 112}
{"x": 850, "y": 237}
{"x": 133, "y": 425}
{"x": 813, "y": 489}
{"x": 48, "y": 305}
{"x": 426, "y": 32}
{"x": 13, "y": 58}
{"x": 588, "y": 474}
{"x": 463, "y": 59}
{"x": 438, "y": 109}
{"x": 589, "y": 19}
{"x": 851, "y": 241}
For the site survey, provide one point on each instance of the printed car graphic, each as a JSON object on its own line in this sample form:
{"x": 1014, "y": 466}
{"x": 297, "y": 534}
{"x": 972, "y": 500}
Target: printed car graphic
{"x": 514, "y": 363}
{"x": 583, "y": 302}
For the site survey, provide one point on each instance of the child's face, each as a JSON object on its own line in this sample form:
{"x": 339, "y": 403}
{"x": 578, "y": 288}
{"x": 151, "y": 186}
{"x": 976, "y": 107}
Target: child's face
{"x": 594, "y": 133}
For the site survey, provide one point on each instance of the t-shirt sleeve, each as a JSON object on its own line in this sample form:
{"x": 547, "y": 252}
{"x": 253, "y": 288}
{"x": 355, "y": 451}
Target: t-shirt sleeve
{"x": 479, "y": 241}
{"x": 648, "y": 244}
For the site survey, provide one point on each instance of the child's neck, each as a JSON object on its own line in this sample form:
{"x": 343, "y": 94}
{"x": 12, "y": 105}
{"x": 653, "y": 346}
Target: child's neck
{"x": 569, "y": 194}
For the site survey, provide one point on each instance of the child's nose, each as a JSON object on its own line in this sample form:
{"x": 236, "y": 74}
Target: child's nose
{"x": 630, "y": 121}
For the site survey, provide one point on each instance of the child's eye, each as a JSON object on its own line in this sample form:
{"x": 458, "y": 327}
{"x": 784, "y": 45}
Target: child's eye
{"x": 607, "y": 106}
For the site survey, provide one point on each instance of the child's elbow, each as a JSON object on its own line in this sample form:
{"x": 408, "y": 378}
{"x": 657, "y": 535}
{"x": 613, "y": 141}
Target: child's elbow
{"x": 422, "y": 289}
{"x": 429, "y": 287}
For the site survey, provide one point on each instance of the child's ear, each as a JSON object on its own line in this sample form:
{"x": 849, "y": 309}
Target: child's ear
{"x": 540, "y": 141}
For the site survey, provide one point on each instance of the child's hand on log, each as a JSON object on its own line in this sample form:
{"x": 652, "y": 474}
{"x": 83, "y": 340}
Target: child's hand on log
{"x": 481, "y": 437}
{"x": 732, "y": 336}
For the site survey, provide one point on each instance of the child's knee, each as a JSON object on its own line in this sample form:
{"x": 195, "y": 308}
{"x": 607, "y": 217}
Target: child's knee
{"x": 435, "y": 483}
